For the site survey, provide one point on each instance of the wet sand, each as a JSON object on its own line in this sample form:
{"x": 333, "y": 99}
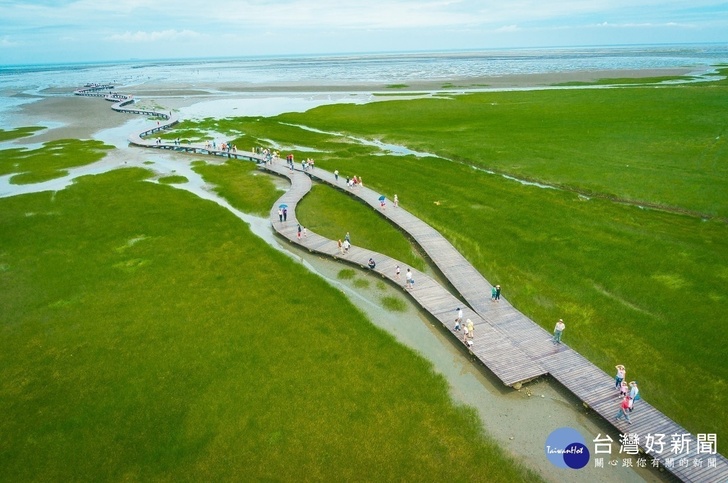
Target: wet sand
{"x": 80, "y": 117}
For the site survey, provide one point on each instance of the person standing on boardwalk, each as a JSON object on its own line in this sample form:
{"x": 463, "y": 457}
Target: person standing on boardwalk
{"x": 623, "y": 407}
{"x": 469, "y": 325}
{"x": 458, "y": 319}
{"x": 347, "y": 245}
{"x": 397, "y": 271}
{"x": 341, "y": 246}
{"x": 280, "y": 215}
{"x": 408, "y": 277}
{"x": 560, "y": 326}
{"x": 623, "y": 389}
{"x": 298, "y": 235}
{"x": 347, "y": 237}
{"x": 372, "y": 265}
{"x": 285, "y": 214}
{"x": 497, "y": 293}
{"x": 621, "y": 372}
{"x": 336, "y": 175}
{"x": 493, "y": 293}
{"x": 396, "y": 201}
{"x": 305, "y": 232}
{"x": 634, "y": 394}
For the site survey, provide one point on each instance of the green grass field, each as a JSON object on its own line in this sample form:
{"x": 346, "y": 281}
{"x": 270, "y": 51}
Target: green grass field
{"x": 17, "y": 133}
{"x": 148, "y": 335}
{"x": 50, "y": 161}
{"x": 641, "y": 287}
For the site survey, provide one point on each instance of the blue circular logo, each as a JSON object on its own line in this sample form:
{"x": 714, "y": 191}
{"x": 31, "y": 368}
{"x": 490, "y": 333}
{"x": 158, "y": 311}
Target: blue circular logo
{"x": 566, "y": 448}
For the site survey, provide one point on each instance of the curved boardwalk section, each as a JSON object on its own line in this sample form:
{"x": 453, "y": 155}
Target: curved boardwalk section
{"x": 512, "y": 346}
{"x": 489, "y": 345}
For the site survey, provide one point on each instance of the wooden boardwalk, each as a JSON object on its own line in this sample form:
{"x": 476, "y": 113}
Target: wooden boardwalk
{"x": 591, "y": 384}
{"x": 166, "y": 121}
{"x": 495, "y": 350}
{"x": 511, "y": 345}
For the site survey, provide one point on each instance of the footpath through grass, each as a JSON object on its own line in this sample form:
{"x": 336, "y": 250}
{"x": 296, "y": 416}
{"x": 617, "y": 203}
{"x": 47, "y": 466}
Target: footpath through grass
{"x": 148, "y": 335}
{"x": 639, "y": 287}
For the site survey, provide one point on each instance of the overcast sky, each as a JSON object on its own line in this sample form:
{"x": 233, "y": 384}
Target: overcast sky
{"x": 90, "y": 30}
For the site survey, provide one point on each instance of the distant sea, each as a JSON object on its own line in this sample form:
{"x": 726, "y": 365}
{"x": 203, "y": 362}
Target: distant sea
{"x": 375, "y": 67}
{"x": 31, "y": 80}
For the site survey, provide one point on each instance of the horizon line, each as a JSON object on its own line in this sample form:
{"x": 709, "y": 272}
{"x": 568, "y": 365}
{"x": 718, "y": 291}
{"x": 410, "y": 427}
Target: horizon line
{"x": 359, "y": 53}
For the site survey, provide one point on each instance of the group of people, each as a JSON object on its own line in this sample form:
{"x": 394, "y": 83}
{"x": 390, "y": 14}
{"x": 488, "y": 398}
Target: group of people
{"x": 628, "y": 393}
{"x": 289, "y": 161}
{"x": 268, "y": 154}
{"x": 353, "y": 181}
{"x": 495, "y": 292}
{"x": 302, "y": 232}
{"x": 345, "y": 245}
{"x": 308, "y": 164}
{"x": 282, "y": 214}
{"x": 409, "y": 279}
{"x": 468, "y": 329}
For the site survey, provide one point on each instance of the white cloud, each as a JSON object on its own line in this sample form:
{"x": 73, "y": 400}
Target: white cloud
{"x": 139, "y": 36}
{"x": 508, "y": 28}
{"x": 644, "y": 25}
{"x": 6, "y": 42}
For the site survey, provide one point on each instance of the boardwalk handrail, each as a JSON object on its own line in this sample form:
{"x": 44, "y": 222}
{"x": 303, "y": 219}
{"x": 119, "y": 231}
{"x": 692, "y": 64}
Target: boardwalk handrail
{"x": 516, "y": 345}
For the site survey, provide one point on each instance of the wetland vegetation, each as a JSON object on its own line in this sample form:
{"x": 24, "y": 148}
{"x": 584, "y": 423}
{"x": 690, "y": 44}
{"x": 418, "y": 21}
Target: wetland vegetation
{"x": 147, "y": 334}
{"x": 626, "y": 279}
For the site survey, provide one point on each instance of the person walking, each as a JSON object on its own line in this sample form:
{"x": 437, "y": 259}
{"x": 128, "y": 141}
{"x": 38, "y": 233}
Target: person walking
{"x": 621, "y": 372}
{"x": 336, "y": 175}
{"x": 280, "y": 215}
{"x": 397, "y": 271}
{"x": 298, "y": 235}
{"x": 497, "y": 293}
{"x": 396, "y": 201}
{"x": 372, "y": 265}
{"x": 408, "y": 277}
{"x": 469, "y": 325}
{"x": 493, "y": 293}
{"x": 347, "y": 237}
{"x": 623, "y": 407}
{"x": 459, "y": 316}
{"x": 347, "y": 245}
{"x": 285, "y": 214}
{"x": 341, "y": 246}
{"x": 560, "y": 326}
{"x": 634, "y": 394}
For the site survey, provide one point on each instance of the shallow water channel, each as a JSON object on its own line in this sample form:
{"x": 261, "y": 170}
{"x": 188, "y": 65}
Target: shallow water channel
{"x": 519, "y": 420}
